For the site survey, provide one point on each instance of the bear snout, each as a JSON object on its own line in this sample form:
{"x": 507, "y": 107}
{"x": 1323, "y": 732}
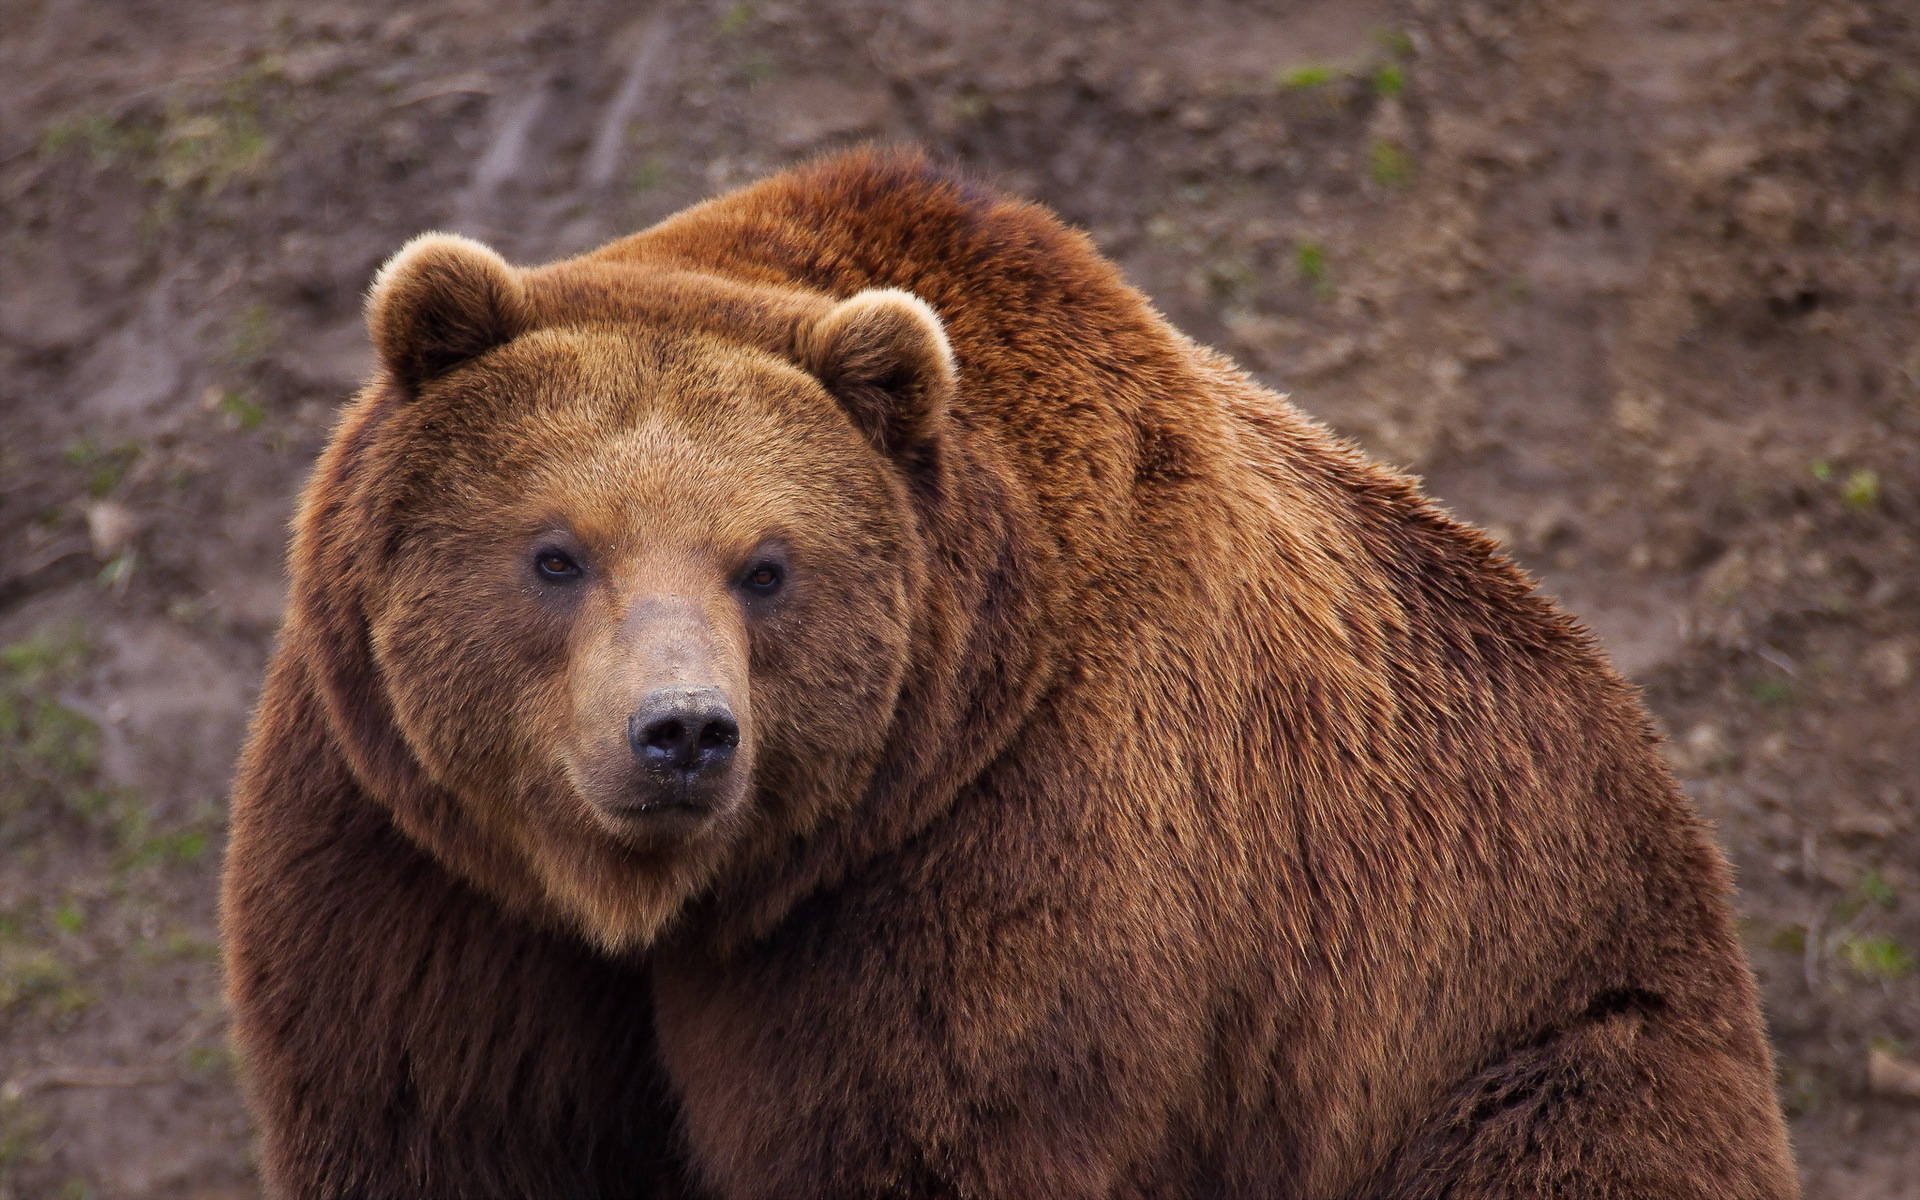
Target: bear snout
{"x": 687, "y": 764}
{"x": 683, "y": 732}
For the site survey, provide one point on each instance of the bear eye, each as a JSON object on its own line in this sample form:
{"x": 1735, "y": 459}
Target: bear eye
{"x": 763, "y": 578}
{"x": 555, "y": 566}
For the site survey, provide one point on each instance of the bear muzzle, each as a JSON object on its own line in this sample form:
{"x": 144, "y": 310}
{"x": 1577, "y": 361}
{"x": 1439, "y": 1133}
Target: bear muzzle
{"x": 684, "y": 742}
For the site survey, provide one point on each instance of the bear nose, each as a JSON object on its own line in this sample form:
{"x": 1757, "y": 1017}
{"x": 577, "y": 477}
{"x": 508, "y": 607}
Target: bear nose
{"x": 683, "y": 731}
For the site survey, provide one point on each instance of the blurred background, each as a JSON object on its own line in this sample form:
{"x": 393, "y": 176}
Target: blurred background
{"x": 1636, "y": 286}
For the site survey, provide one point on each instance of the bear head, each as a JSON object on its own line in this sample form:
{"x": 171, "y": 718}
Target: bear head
{"x": 613, "y": 568}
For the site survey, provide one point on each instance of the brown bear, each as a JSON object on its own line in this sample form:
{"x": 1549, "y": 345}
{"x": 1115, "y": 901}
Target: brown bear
{"x": 833, "y": 696}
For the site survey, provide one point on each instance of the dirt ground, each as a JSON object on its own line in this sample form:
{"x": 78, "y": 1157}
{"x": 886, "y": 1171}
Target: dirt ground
{"x": 1635, "y": 285}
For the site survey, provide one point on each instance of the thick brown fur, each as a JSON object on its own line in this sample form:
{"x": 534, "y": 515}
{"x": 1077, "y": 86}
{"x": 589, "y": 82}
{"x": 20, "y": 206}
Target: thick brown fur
{"x": 1147, "y": 795}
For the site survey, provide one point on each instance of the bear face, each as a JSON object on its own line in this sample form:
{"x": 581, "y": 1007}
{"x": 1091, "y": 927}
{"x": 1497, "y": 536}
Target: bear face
{"x": 644, "y": 593}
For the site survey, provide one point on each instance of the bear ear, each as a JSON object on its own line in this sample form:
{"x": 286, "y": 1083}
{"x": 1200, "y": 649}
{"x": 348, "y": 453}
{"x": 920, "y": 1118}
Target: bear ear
{"x": 440, "y": 301}
{"x": 884, "y": 355}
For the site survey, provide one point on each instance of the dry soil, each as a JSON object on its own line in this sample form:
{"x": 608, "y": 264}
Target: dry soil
{"x": 1636, "y": 285}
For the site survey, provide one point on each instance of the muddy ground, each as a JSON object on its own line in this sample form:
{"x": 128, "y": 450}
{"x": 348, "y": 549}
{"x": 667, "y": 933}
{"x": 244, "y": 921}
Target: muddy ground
{"x": 1635, "y": 285}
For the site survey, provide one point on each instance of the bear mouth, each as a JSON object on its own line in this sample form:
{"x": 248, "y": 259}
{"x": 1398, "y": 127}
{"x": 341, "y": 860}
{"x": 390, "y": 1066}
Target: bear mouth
{"x": 650, "y": 814}
{"x": 656, "y": 811}
{"x": 651, "y": 825}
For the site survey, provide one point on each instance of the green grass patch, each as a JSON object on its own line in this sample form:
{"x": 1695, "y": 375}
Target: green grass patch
{"x": 50, "y": 752}
{"x": 735, "y": 19}
{"x": 1302, "y": 78}
{"x": 176, "y": 944}
{"x": 1790, "y": 939}
{"x": 1861, "y": 491}
{"x": 650, "y": 174}
{"x": 1232, "y": 280}
{"x": 1874, "y": 889}
{"x": 1387, "y": 78}
{"x": 102, "y": 467}
{"x": 253, "y": 335}
{"x": 241, "y": 410}
{"x": 205, "y": 150}
{"x": 118, "y": 572}
{"x": 970, "y": 105}
{"x": 1875, "y": 956}
{"x": 1388, "y": 163}
{"x": 179, "y": 847}
{"x": 759, "y": 69}
{"x": 46, "y": 655}
{"x": 1310, "y": 263}
{"x": 68, "y": 916}
{"x": 210, "y": 1061}
{"x": 1799, "y": 1090}
{"x": 107, "y": 141}
{"x": 38, "y": 981}
{"x": 21, "y": 1129}
{"x": 190, "y": 146}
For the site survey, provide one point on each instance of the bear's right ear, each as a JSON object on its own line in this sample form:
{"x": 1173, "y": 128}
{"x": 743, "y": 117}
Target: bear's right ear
{"x": 440, "y": 301}
{"x": 884, "y": 355}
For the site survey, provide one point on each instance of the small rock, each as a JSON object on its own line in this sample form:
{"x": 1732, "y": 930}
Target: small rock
{"x": 1254, "y": 329}
{"x": 1836, "y": 871}
{"x": 1721, "y": 160}
{"x": 1150, "y": 93}
{"x": 1549, "y": 527}
{"x": 111, "y": 527}
{"x": 1768, "y": 209}
{"x": 1886, "y": 589}
{"x": 1482, "y": 350}
{"x": 1703, "y": 746}
{"x": 1861, "y": 826}
{"x": 53, "y": 314}
{"x": 1729, "y": 577}
{"x": 1639, "y": 413}
{"x": 1325, "y": 358}
{"x": 1446, "y": 371}
{"x": 1890, "y": 664}
{"x": 401, "y": 27}
{"x": 1476, "y": 141}
{"x": 1890, "y": 1075}
{"x": 1389, "y": 122}
{"x": 312, "y": 64}
{"x": 1451, "y": 279}
{"x": 1773, "y": 747}
{"x": 1196, "y": 118}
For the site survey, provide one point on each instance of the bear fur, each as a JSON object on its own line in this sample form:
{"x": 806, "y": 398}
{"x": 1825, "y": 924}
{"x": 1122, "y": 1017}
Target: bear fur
{"x": 1136, "y": 793}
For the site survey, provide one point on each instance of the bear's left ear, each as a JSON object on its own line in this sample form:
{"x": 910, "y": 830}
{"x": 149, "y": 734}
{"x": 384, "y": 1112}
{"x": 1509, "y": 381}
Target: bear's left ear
{"x": 440, "y": 301}
{"x": 884, "y": 355}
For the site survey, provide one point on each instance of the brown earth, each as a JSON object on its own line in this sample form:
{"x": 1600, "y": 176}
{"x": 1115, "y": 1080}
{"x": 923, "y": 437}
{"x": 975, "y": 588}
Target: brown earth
{"x": 1635, "y": 285}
